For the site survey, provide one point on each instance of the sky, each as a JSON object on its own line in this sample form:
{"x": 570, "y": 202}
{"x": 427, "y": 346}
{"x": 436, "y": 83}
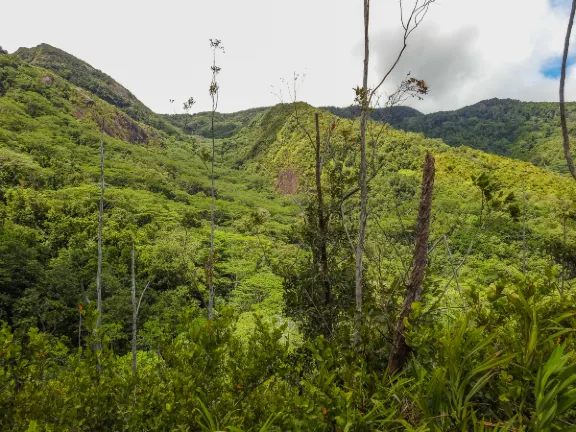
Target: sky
{"x": 466, "y": 50}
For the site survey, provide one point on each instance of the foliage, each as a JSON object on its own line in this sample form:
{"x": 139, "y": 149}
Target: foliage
{"x": 529, "y": 131}
{"x": 492, "y": 339}
{"x": 225, "y": 125}
{"x": 93, "y": 80}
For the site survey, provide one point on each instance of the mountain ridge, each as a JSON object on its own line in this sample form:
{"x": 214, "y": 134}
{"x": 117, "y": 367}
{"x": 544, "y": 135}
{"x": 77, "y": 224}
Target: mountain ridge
{"x": 159, "y": 189}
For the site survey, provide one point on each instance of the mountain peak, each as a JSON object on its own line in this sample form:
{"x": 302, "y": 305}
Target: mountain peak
{"x": 87, "y": 77}
{"x": 82, "y": 74}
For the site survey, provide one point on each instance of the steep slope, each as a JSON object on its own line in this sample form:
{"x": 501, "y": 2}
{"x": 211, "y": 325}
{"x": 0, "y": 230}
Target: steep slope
{"x": 225, "y": 125}
{"x": 393, "y": 115}
{"x": 488, "y": 239}
{"x": 157, "y": 196}
{"x": 529, "y": 131}
{"x": 85, "y": 76}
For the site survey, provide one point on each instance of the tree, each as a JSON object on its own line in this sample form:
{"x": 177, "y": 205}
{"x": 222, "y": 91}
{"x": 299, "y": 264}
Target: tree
{"x": 322, "y": 220}
{"x": 216, "y": 45}
{"x": 399, "y": 351}
{"x": 318, "y": 291}
{"x": 365, "y": 96}
{"x": 100, "y": 225}
{"x": 135, "y": 308}
{"x": 566, "y": 139}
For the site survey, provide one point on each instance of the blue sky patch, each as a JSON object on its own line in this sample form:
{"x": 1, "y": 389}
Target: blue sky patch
{"x": 560, "y": 3}
{"x": 551, "y": 69}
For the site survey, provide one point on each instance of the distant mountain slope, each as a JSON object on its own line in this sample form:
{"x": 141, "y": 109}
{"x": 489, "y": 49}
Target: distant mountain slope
{"x": 529, "y": 131}
{"x": 83, "y": 75}
{"x": 225, "y": 125}
{"x": 392, "y": 115}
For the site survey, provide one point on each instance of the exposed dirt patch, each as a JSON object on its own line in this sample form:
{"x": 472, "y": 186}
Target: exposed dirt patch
{"x": 79, "y": 113}
{"x": 47, "y": 80}
{"x": 287, "y": 182}
{"x": 126, "y": 129}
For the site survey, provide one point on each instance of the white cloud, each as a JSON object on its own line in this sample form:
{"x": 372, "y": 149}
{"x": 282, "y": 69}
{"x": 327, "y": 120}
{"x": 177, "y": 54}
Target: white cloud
{"x": 468, "y": 50}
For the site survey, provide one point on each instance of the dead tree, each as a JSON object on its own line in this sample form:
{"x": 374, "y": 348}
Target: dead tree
{"x": 566, "y": 139}
{"x": 364, "y": 96}
{"x": 134, "y": 311}
{"x": 216, "y": 45}
{"x": 399, "y": 351}
{"x": 100, "y": 226}
{"x": 322, "y": 219}
{"x": 135, "y": 308}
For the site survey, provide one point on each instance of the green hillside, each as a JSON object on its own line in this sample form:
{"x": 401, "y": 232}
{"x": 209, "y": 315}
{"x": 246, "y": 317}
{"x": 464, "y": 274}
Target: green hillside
{"x": 94, "y": 81}
{"x": 528, "y": 131}
{"x": 157, "y": 195}
{"x": 275, "y": 148}
{"x": 393, "y": 115}
{"x": 495, "y": 317}
{"x": 225, "y": 125}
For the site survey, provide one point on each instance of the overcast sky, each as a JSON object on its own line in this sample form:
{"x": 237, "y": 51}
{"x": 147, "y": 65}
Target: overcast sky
{"x": 466, "y": 50}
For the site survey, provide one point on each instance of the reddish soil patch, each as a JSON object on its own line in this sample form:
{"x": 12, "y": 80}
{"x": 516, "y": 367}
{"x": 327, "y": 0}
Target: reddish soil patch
{"x": 287, "y": 182}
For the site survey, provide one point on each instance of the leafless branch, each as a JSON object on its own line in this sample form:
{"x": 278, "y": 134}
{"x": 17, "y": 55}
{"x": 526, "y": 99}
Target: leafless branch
{"x": 141, "y": 297}
{"x": 415, "y": 18}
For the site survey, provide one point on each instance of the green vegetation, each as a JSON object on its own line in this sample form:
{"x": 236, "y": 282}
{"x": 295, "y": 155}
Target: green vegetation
{"x": 394, "y": 115}
{"x": 529, "y": 131}
{"x": 94, "y": 81}
{"x": 225, "y": 125}
{"x": 492, "y": 338}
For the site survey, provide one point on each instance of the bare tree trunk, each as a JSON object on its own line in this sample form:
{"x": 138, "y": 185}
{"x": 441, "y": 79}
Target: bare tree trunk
{"x": 567, "y": 153}
{"x": 399, "y": 351}
{"x": 212, "y": 229}
{"x": 134, "y": 309}
{"x": 564, "y": 251}
{"x": 215, "y": 44}
{"x": 100, "y": 225}
{"x": 322, "y": 222}
{"x": 80, "y": 329}
{"x": 365, "y": 101}
{"x": 524, "y": 232}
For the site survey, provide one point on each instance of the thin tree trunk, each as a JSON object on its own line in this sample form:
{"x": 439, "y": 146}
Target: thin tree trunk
{"x": 100, "y": 225}
{"x": 365, "y": 102}
{"x": 212, "y": 229}
{"x": 214, "y": 94}
{"x": 399, "y": 351}
{"x": 563, "y": 253}
{"x": 264, "y": 254}
{"x": 567, "y": 153}
{"x": 80, "y": 329}
{"x": 524, "y": 232}
{"x": 134, "y": 309}
{"x": 322, "y": 222}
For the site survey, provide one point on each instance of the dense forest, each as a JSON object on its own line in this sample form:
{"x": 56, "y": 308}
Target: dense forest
{"x": 286, "y": 268}
{"x": 528, "y": 131}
